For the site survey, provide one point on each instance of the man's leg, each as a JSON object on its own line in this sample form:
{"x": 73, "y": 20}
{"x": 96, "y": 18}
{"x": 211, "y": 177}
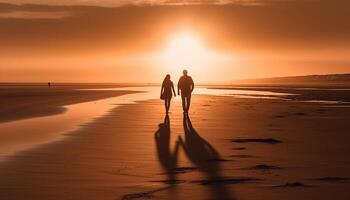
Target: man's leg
{"x": 188, "y": 102}
{"x": 183, "y": 98}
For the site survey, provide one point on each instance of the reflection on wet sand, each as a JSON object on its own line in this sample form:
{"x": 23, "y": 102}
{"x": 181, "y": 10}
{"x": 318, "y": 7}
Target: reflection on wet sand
{"x": 203, "y": 155}
{"x": 199, "y": 151}
{"x": 167, "y": 158}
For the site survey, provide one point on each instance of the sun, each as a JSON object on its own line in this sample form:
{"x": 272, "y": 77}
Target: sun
{"x": 184, "y": 50}
{"x": 187, "y": 50}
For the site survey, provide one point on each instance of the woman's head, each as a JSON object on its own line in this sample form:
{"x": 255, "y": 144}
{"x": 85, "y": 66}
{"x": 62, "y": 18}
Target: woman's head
{"x": 167, "y": 77}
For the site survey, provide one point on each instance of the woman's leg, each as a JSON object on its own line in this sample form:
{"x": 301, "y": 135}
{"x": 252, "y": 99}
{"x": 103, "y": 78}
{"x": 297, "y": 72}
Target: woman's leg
{"x": 167, "y": 104}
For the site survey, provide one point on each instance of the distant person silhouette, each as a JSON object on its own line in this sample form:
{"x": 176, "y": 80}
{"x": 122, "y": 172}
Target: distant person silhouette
{"x": 186, "y": 86}
{"x": 166, "y": 92}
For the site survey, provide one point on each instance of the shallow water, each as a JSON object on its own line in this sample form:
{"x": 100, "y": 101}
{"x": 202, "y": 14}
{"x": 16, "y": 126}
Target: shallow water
{"x": 20, "y": 135}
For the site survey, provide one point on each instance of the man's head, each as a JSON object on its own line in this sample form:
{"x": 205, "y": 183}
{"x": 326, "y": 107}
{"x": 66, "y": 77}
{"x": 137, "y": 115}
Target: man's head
{"x": 184, "y": 72}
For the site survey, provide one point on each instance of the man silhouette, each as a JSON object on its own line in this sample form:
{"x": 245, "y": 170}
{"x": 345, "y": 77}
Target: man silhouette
{"x": 186, "y": 86}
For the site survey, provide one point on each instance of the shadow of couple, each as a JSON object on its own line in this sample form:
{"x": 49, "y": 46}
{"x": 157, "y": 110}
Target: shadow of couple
{"x": 200, "y": 152}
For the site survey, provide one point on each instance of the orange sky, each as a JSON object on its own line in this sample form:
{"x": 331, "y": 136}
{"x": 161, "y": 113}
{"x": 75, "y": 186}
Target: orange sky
{"x": 113, "y": 41}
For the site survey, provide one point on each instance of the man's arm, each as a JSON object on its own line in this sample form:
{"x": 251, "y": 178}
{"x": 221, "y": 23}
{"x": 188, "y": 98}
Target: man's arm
{"x": 178, "y": 86}
{"x": 192, "y": 85}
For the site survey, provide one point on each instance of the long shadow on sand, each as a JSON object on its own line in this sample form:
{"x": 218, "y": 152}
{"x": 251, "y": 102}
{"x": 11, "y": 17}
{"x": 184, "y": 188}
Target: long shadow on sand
{"x": 167, "y": 159}
{"x": 206, "y": 158}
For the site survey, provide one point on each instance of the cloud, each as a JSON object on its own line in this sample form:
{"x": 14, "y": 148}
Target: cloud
{"x": 35, "y": 14}
{"x": 214, "y": 2}
{"x": 119, "y": 3}
{"x": 278, "y": 34}
{"x": 278, "y": 28}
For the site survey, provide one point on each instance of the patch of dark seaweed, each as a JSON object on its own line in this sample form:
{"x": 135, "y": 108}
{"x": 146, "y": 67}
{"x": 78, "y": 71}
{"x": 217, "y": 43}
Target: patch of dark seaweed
{"x": 239, "y": 148}
{"x": 185, "y": 168}
{"x": 143, "y": 195}
{"x": 238, "y": 180}
{"x": 257, "y": 140}
{"x": 181, "y": 170}
{"x": 263, "y": 167}
{"x": 170, "y": 182}
{"x": 332, "y": 179}
{"x": 241, "y": 156}
{"x": 293, "y": 185}
{"x": 218, "y": 160}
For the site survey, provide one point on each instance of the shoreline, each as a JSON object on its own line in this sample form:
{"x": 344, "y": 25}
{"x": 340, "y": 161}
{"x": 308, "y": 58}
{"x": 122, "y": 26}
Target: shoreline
{"x": 26, "y": 103}
{"x": 23, "y": 134}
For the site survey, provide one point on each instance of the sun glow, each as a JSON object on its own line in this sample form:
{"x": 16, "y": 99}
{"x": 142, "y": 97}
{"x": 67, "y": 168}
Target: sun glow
{"x": 187, "y": 51}
{"x": 184, "y": 50}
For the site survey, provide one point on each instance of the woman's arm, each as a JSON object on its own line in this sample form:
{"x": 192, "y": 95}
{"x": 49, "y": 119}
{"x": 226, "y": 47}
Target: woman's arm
{"x": 161, "y": 90}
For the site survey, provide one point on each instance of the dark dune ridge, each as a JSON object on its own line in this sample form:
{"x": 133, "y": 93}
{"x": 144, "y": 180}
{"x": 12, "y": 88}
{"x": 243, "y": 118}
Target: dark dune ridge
{"x": 324, "y": 80}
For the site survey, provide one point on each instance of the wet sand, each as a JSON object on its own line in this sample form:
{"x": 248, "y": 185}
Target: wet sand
{"x": 302, "y": 93}
{"x": 224, "y": 150}
{"x": 27, "y": 101}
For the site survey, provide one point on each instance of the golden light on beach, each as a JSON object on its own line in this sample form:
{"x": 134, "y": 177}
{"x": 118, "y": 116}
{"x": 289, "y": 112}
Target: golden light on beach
{"x": 174, "y": 99}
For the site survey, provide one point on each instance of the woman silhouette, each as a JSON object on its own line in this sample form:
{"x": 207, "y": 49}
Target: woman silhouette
{"x": 166, "y": 92}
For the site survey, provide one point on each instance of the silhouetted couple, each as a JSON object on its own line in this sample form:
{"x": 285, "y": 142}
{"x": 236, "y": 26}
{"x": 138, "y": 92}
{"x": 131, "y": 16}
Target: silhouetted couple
{"x": 185, "y": 85}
